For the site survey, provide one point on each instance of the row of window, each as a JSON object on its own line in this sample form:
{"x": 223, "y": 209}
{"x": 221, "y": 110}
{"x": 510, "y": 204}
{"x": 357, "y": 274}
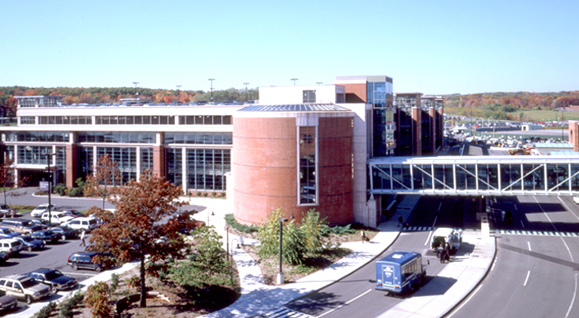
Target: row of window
{"x": 42, "y": 136}
{"x": 126, "y": 120}
{"x": 201, "y": 138}
{"x": 118, "y": 137}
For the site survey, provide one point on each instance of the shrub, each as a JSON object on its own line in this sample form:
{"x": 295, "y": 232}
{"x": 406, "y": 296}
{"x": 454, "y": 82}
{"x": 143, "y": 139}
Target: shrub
{"x": 223, "y": 194}
{"x": 41, "y": 193}
{"x": 115, "y": 282}
{"x": 97, "y": 298}
{"x": 133, "y": 282}
{"x": 230, "y": 219}
{"x": 75, "y": 192}
{"x": 45, "y": 311}
{"x": 214, "y": 194}
{"x": 205, "y": 194}
{"x": 79, "y": 182}
{"x": 198, "y": 193}
{"x": 60, "y": 189}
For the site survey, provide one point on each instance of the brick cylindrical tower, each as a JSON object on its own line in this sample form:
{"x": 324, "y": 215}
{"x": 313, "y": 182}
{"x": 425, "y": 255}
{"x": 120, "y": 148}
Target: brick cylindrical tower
{"x": 293, "y": 160}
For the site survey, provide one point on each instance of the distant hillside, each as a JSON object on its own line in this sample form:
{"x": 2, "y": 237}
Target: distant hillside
{"x": 94, "y": 95}
{"x": 498, "y": 105}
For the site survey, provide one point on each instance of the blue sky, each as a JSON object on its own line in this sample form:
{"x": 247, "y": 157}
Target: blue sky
{"x": 433, "y": 47}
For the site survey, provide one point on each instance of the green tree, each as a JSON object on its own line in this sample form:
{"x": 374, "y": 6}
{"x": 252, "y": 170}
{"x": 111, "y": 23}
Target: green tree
{"x": 97, "y": 298}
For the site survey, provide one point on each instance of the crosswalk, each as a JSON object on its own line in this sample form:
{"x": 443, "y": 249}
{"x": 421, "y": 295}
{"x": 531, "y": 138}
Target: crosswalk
{"x": 503, "y": 232}
{"x": 284, "y": 312}
{"x": 537, "y": 233}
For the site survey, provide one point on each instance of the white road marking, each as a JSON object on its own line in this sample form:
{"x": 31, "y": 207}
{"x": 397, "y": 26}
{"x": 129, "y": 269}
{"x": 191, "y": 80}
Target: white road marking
{"x": 528, "y": 243}
{"x": 523, "y": 224}
{"x": 349, "y": 301}
{"x": 573, "y": 299}
{"x": 495, "y": 261}
{"x": 527, "y": 279}
{"x": 439, "y": 206}
{"x": 567, "y": 208}
{"x": 516, "y": 207}
{"x": 430, "y": 233}
{"x": 464, "y": 303}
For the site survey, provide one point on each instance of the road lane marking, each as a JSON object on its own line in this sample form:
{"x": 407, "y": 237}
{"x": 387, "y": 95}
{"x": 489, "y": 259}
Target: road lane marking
{"x": 346, "y": 303}
{"x": 567, "y": 208}
{"x": 494, "y": 263}
{"x": 527, "y": 279}
{"x": 516, "y": 207}
{"x": 430, "y": 233}
{"x": 439, "y": 206}
{"x": 573, "y": 299}
{"x": 528, "y": 243}
{"x": 466, "y": 301}
{"x": 523, "y": 224}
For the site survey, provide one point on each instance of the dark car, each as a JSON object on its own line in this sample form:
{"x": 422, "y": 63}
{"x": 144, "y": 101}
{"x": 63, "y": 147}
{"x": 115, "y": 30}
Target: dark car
{"x": 46, "y": 235}
{"x": 30, "y": 243}
{"x": 74, "y": 213}
{"x": 40, "y": 223}
{"x": 3, "y": 258}
{"x": 65, "y": 232}
{"x": 88, "y": 260}
{"x": 53, "y": 278}
{"x": 7, "y": 303}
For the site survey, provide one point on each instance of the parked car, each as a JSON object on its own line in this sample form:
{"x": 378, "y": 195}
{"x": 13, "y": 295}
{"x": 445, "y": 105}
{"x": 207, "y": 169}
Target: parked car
{"x": 20, "y": 226}
{"x": 7, "y": 303}
{"x": 39, "y": 210}
{"x": 46, "y": 235}
{"x": 86, "y": 224}
{"x": 4, "y": 258}
{"x": 446, "y": 235}
{"x": 53, "y": 278}
{"x": 88, "y": 260}
{"x": 10, "y": 246}
{"x": 73, "y": 213}
{"x": 7, "y": 233}
{"x": 30, "y": 244}
{"x": 24, "y": 287}
{"x": 66, "y": 232}
{"x": 41, "y": 223}
{"x": 56, "y": 217}
{"x": 4, "y": 210}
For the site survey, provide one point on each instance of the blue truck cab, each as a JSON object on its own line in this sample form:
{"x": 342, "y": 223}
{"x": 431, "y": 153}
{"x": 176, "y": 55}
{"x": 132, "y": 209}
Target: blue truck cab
{"x": 400, "y": 272}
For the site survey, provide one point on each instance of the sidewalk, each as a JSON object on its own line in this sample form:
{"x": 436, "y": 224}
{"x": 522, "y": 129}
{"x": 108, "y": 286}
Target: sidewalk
{"x": 437, "y": 298}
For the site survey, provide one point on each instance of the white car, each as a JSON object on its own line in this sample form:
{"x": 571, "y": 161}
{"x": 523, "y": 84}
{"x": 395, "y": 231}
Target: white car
{"x": 39, "y": 210}
{"x": 86, "y": 224}
{"x": 444, "y": 235}
{"x": 57, "y": 217}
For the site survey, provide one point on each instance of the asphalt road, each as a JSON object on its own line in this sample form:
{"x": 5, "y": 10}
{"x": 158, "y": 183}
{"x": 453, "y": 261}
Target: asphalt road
{"x": 355, "y": 296}
{"x": 533, "y": 275}
{"x": 54, "y": 255}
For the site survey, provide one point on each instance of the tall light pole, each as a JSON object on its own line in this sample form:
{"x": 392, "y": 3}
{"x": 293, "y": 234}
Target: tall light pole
{"x": 178, "y": 87}
{"x": 136, "y": 93}
{"x": 246, "y": 96}
{"x": 48, "y": 155}
{"x": 211, "y": 79}
{"x": 294, "y": 79}
{"x": 280, "y": 278}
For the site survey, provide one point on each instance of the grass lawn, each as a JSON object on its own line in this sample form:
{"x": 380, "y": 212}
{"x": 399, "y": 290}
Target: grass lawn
{"x": 545, "y": 115}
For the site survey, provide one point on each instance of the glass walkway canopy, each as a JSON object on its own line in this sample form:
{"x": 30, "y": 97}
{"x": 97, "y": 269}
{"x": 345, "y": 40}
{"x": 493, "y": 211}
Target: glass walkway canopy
{"x": 475, "y": 175}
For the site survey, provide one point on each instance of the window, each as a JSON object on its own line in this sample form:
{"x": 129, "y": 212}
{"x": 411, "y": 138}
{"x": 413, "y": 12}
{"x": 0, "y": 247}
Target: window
{"x": 27, "y": 120}
{"x": 307, "y": 164}
{"x": 309, "y": 96}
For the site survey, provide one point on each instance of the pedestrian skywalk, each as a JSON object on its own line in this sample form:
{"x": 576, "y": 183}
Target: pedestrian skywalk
{"x": 537, "y": 233}
{"x": 284, "y": 312}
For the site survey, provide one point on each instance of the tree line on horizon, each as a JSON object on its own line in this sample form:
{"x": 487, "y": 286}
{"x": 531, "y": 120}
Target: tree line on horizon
{"x": 96, "y": 95}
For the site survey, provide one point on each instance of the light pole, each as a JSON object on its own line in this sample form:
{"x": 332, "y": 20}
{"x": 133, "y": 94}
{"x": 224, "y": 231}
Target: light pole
{"x": 178, "y": 87}
{"x": 48, "y": 155}
{"x": 136, "y": 93}
{"x": 294, "y": 79}
{"x": 211, "y": 79}
{"x": 246, "y": 96}
{"x": 280, "y": 278}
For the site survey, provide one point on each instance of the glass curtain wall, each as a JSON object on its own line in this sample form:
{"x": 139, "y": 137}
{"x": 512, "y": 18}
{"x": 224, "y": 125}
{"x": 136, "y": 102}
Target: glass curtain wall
{"x": 380, "y": 95}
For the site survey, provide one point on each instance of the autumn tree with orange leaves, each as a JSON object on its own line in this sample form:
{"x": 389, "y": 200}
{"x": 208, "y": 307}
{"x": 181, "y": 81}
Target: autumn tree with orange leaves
{"x": 139, "y": 228}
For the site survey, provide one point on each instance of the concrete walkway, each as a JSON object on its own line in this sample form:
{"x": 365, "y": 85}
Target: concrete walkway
{"x": 437, "y": 298}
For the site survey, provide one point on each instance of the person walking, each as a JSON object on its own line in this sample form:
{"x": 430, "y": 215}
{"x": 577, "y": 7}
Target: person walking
{"x": 82, "y": 242}
{"x": 400, "y": 220}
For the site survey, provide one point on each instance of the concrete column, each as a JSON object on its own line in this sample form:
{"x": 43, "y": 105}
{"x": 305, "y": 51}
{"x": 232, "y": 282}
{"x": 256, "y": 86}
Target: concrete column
{"x": 159, "y": 160}
{"x": 71, "y": 165}
{"x": 574, "y": 134}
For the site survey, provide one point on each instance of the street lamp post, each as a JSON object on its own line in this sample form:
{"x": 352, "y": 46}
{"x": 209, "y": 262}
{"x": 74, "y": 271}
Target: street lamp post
{"x": 48, "y": 155}
{"x": 178, "y": 88}
{"x": 280, "y": 278}
{"x": 211, "y": 79}
{"x": 294, "y": 79}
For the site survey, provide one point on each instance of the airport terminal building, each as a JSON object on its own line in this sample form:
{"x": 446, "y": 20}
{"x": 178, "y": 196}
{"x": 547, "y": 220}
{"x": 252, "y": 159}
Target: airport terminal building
{"x": 299, "y": 148}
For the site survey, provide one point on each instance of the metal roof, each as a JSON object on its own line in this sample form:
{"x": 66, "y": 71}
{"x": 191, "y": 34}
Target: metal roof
{"x": 294, "y": 108}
